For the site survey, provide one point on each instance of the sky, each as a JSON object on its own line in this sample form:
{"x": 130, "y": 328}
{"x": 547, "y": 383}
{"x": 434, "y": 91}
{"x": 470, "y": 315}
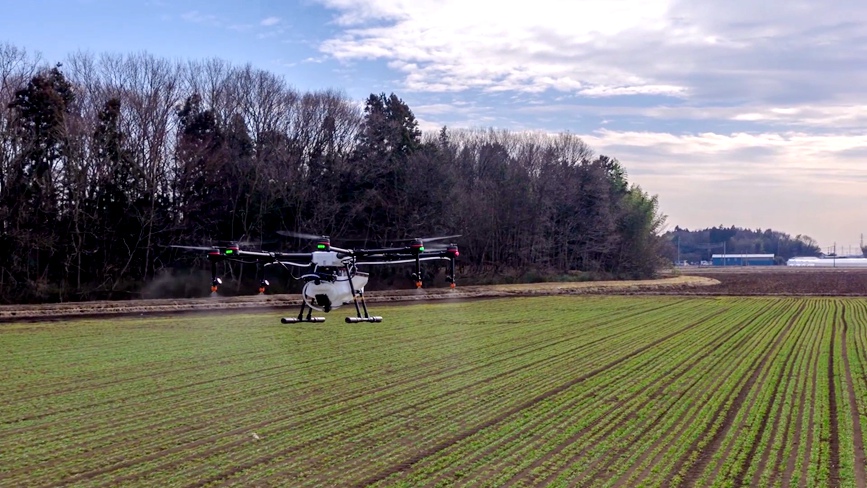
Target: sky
{"x": 741, "y": 113}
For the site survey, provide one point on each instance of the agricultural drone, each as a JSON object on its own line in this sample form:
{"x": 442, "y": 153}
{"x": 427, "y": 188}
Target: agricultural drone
{"x": 332, "y": 278}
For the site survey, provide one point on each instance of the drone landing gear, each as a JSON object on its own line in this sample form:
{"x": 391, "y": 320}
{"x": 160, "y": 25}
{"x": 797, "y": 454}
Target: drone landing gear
{"x": 301, "y": 317}
{"x": 295, "y": 320}
{"x": 359, "y": 297}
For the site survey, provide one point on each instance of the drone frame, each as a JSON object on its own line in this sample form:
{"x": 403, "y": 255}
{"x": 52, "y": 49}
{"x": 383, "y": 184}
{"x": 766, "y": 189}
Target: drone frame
{"x": 328, "y": 264}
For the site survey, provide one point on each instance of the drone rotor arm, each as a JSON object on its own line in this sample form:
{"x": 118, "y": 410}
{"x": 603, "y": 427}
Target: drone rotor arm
{"x": 401, "y": 260}
{"x": 289, "y": 263}
{"x": 292, "y": 256}
{"x": 388, "y": 250}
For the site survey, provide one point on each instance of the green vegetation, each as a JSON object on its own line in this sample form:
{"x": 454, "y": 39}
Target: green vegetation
{"x": 608, "y": 391}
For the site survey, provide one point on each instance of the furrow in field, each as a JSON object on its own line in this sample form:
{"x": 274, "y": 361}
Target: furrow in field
{"x": 730, "y": 453}
{"x": 812, "y": 400}
{"x": 638, "y": 437}
{"x": 385, "y": 451}
{"x": 834, "y": 428}
{"x": 672, "y": 430}
{"x": 773, "y": 445}
{"x": 451, "y": 440}
{"x": 579, "y": 462}
{"x": 791, "y": 416}
{"x": 619, "y": 422}
{"x": 180, "y": 392}
{"x": 799, "y": 436}
{"x": 727, "y": 411}
{"x": 668, "y": 441}
{"x": 445, "y": 401}
{"x": 235, "y": 433}
{"x": 233, "y": 412}
{"x": 765, "y": 416}
{"x": 858, "y": 437}
{"x": 715, "y": 373}
{"x": 621, "y": 426}
{"x": 633, "y": 379}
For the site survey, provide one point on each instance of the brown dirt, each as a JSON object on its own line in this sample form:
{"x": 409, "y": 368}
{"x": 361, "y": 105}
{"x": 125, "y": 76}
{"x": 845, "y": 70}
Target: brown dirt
{"x": 781, "y": 281}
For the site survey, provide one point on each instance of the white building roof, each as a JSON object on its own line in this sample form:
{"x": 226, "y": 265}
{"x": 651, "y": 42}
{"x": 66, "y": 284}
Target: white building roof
{"x": 828, "y": 262}
{"x": 744, "y": 256}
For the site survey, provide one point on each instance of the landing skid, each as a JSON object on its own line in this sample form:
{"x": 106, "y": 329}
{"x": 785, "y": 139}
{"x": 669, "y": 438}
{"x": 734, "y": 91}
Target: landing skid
{"x": 301, "y": 318}
{"x": 296, "y": 320}
{"x": 359, "y": 316}
{"x": 361, "y": 313}
{"x": 355, "y": 320}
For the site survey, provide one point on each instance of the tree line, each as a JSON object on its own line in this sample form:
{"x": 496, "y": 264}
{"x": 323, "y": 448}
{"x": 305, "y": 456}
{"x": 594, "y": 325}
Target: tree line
{"x": 106, "y": 160}
{"x": 698, "y": 245}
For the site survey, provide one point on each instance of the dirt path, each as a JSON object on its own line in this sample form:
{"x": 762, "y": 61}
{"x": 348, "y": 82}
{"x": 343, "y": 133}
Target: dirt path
{"x": 53, "y": 311}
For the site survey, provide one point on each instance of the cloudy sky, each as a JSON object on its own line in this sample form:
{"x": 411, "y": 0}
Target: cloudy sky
{"x": 736, "y": 113}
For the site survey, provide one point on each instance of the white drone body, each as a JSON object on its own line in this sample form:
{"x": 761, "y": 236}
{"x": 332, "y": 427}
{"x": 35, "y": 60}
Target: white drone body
{"x": 325, "y": 296}
{"x": 338, "y": 292}
{"x": 331, "y": 259}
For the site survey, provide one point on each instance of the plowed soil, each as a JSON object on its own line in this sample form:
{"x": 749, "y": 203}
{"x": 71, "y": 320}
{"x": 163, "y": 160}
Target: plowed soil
{"x": 781, "y": 281}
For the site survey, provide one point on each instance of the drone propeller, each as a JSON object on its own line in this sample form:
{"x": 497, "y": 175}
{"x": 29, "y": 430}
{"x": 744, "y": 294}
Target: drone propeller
{"x": 440, "y": 238}
{"x": 194, "y": 248}
{"x": 427, "y": 239}
{"x": 299, "y": 235}
{"x": 252, "y": 243}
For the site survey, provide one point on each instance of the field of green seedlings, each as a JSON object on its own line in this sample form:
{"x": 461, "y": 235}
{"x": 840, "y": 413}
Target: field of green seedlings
{"x": 579, "y": 391}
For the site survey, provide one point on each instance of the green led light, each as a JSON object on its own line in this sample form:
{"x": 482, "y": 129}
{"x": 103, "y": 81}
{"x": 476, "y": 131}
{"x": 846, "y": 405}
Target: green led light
{"x": 229, "y": 251}
{"x": 421, "y": 248}
{"x": 320, "y": 246}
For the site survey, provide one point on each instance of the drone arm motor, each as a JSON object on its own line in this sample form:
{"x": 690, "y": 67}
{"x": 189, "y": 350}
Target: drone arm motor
{"x": 451, "y": 277}
{"x": 215, "y": 282}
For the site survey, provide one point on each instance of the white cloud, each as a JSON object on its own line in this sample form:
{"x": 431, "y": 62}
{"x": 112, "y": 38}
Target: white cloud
{"x": 455, "y": 45}
{"x": 792, "y": 181}
{"x": 197, "y": 17}
{"x": 609, "y": 91}
{"x": 769, "y": 51}
{"x": 269, "y": 21}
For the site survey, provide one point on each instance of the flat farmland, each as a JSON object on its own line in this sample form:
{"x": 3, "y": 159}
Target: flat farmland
{"x": 562, "y": 390}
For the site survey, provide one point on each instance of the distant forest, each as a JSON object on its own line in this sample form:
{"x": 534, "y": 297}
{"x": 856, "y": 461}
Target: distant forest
{"x": 107, "y": 159}
{"x": 695, "y": 246}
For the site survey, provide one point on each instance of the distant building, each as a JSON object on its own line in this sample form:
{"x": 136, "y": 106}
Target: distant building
{"x": 743, "y": 260}
{"x": 828, "y": 262}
